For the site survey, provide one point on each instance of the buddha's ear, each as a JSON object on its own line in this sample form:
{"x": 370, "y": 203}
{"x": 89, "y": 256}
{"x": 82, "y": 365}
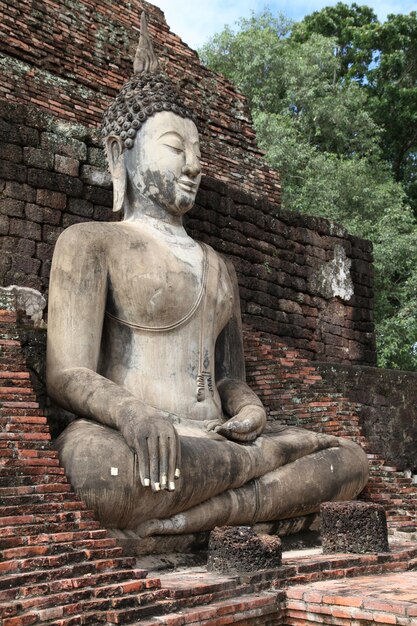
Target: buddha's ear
{"x": 115, "y": 158}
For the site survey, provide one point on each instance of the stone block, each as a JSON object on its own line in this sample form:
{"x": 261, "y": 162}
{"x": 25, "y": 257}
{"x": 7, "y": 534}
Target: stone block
{"x": 35, "y": 157}
{"x": 56, "y": 182}
{"x": 50, "y": 234}
{"x": 25, "y": 229}
{"x": 42, "y": 214}
{"x": 44, "y": 251}
{"x": 12, "y": 207}
{"x": 67, "y": 146}
{"x": 13, "y": 171}
{"x": 355, "y": 526}
{"x": 238, "y": 549}
{"x": 11, "y": 152}
{"x": 104, "y": 214}
{"x": 78, "y": 206}
{"x": 26, "y": 247}
{"x": 97, "y": 157}
{"x": 95, "y": 176}
{"x": 70, "y": 220}
{"x": 66, "y": 165}
{"x": 98, "y": 195}
{"x": 25, "y": 264}
{"x": 4, "y": 224}
{"x": 53, "y": 199}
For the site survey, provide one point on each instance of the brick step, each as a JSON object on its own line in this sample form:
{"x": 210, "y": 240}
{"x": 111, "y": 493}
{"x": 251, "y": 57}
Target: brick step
{"x": 15, "y": 540}
{"x": 378, "y": 479}
{"x": 70, "y": 615}
{"x": 26, "y": 419}
{"x": 111, "y": 582}
{"x": 27, "y": 463}
{"x": 234, "y": 610}
{"x": 91, "y": 613}
{"x": 15, "y": 375}
{"x": 28, "y": 449}
{"x": 58, "y": 527}
{"x": 34, "y": 411}
{"x": 31, "y": 470}
{"x": 60, "y": 559}
{"x": 34, "y": 489}
{"x": 95, "y": 559}
{"x": 11, "y": 426}
{"x": 15, "y": 385}
{"x": 13, "y": 452}
{"x": 114, "y": 583}
{"x": 391, "y": 486}
{"x": 34, "y": 479}
{"x": 25, "y": 404}
{"x": 36, "y": 499}
{"x": 80, "y": 513}
{"x": 400, "y": 510}
{"x": 91, "y": 599}
{"x": 25, "y": 437}
{"x": 42, "y": 508}
{"x": 26, "y": 551}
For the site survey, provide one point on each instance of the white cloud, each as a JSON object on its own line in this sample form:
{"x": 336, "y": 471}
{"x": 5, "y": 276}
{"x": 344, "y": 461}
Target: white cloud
{"x": 196, "y": 22}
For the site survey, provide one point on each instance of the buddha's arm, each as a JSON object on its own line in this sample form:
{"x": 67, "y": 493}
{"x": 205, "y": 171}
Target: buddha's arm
{"x": 247, "y": 414}
{"x": 78, "y": 289}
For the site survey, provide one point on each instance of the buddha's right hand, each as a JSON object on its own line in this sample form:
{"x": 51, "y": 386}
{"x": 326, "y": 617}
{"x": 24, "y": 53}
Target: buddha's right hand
{"x": 154, "y": 439}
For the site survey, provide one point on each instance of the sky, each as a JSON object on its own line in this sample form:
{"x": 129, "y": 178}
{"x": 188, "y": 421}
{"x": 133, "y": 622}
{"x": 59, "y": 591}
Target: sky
{"x": 196, "y": 22}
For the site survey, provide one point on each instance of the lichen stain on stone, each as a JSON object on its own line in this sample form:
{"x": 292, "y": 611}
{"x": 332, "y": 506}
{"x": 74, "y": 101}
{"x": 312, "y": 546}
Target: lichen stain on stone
{"x": 333, "y": 279}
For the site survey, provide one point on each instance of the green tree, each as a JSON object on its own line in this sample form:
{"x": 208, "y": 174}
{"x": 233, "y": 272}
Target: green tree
{"x": 383, "y": 58}
{"x": 313, "y": 117}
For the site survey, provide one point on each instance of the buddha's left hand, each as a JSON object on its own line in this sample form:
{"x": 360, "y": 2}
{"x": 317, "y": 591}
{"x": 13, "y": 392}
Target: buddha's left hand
{"x": 245, "y": 426}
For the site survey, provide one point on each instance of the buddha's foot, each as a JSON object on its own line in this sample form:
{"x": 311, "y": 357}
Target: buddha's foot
{"x": 205, "y": 516}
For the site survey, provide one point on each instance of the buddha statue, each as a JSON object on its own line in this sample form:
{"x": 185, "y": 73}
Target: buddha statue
{"x": 145, "y": 348}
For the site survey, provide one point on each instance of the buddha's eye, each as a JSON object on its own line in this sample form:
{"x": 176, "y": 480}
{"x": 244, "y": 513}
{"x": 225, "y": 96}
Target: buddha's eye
{"x": 174, "y": 147}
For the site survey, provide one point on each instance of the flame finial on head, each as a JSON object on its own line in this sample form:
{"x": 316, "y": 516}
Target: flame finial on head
{"x": 145, "y": 58}
{"x": 146, "y": 93}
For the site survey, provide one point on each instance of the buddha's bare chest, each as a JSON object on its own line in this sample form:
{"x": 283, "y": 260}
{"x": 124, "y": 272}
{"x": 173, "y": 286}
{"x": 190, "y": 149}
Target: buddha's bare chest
{"x": 154, "y": 288}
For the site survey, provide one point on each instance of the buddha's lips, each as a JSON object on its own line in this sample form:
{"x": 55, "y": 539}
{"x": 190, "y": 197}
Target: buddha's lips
{"x": 187, "y": 185}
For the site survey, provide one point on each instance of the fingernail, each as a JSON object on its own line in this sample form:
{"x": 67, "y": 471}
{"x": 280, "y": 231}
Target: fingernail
{"x": 157, "y": 487}
{"x": 164, "y": 480}
{"x": 171, "y": 486}
{"x": 146, "y": 482}
{"x": 177, "y": 473}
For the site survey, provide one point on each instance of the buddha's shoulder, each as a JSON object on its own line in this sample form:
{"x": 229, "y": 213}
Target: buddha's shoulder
{"x": 94, "y": 235}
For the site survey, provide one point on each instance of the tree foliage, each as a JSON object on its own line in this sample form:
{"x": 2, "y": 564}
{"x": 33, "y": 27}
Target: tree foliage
{"x": 334, "y": 104}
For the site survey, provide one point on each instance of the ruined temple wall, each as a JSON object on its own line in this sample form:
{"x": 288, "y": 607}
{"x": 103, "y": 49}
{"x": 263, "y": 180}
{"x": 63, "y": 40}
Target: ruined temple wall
{"x": 71, "y": 57}
{"x": 386, "y": 406}
{"x": 61, "y": 63}
{"x": 302, "y": 279}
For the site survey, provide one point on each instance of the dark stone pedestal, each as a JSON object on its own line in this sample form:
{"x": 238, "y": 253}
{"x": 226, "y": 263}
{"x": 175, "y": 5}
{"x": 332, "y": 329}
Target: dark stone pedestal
{"x": 237, "y": 549}
{"x": 353, "y": 527}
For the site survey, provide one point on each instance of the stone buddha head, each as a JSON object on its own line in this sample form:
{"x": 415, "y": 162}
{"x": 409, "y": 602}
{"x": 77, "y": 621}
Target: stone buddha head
{"x": 151, "y": 139}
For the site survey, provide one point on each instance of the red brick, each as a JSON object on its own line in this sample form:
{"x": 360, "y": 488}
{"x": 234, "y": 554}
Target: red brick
{"x": 343, "y": 600}
{"x": 384, "y": 618}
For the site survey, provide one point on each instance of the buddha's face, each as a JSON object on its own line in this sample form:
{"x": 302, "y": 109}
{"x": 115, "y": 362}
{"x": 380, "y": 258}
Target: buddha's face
{"x": 164, "y": 162}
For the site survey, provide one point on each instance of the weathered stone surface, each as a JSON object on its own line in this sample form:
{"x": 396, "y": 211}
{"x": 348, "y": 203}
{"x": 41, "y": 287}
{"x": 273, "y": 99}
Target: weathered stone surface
{"x": 28, "y": 300}
{"x": 353, "y": 527}
{"x": 238, "y": 549}
{"x": 386, "y": 401}
{"x": 66, "y": 165}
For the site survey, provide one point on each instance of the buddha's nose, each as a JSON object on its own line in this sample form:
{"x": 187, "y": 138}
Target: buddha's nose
{"x": 192, "y": 166}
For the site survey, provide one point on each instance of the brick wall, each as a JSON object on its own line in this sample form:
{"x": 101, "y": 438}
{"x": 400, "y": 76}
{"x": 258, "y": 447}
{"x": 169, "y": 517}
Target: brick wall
{"x": 52, "y": 174}
{"x": 72, "y": 57}
{"x": 386, "y": 401}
